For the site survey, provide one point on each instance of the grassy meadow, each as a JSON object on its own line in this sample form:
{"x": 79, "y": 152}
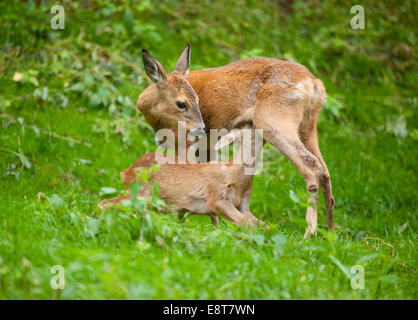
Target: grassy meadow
{"x": 69, "y": 125}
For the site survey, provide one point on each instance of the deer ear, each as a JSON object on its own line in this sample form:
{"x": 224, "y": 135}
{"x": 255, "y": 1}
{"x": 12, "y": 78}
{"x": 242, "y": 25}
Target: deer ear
{"x": 183, "y": 63}
{"x": 153, "y": 68}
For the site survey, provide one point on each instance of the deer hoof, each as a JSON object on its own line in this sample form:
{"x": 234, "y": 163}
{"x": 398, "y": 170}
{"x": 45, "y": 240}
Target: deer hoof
{"x": 309, "y": 233}
{"x": 313, "y": 188}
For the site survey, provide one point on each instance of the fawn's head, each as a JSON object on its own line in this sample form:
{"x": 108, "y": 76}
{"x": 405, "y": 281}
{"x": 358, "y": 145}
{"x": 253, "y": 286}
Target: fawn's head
{"x": 170, "y": 98}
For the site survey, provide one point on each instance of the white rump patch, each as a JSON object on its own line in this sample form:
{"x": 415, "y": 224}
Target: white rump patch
{"x": 297, "y": 92}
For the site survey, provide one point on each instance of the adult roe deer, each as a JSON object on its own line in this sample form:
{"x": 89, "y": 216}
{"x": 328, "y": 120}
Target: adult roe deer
{"x": 282, "y": 98}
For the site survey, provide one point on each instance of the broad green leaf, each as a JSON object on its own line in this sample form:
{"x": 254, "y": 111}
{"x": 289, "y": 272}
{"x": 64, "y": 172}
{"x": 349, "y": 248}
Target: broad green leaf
{"x": 107, "y": 190}
{"x": 56, "y": 201}
{"x": 293, "y": 195}
{"x": 342, "y": 267}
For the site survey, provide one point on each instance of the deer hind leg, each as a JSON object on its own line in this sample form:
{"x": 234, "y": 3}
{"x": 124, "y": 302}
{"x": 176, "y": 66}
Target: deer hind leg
{"x": 281, "y": 130}
{"x": 309, "y": 136}
{"x": 215, "y": 220}
{"x": 108, "y": 203}
{"x": 227, "y": 210}
{"x": 244, "y": 207}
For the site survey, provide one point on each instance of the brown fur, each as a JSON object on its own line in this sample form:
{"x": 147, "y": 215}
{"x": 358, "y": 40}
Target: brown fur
{"x": 159, "y": 100}
{"x": 282, "y": 98}
{"x": 203, "y": 188}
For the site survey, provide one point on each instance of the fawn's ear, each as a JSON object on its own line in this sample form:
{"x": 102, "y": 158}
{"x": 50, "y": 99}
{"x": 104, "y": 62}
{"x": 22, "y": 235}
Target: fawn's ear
{"x": 183, "y": 64}
{"x": 227, "y": 139}
{"x": 154, "y": 69}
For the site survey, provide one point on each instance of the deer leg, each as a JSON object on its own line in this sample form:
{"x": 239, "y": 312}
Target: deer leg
{"x": 180, "y": 215}
{"x": 287, "y": 141}
{"x": 312, "y": 216}
{"x": 107, "y": 203}
{"x": 280, "y": 124}
{"x": 215, "y": 220}
{"x": 227, "y": 209}
{"x": 310, "y": 139}
{"x": 244, "y": 207}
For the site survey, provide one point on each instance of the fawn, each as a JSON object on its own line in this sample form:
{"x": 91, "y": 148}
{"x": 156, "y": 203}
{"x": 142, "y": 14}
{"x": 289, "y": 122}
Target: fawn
{"x": 282, "y": 98}
{"x": 202, "y": 188}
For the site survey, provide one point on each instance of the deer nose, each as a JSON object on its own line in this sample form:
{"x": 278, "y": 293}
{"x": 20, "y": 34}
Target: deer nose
{"x": 199, "y": 132}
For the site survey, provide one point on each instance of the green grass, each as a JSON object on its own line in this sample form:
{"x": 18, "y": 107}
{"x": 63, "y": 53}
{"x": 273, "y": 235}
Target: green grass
{"x": 55, "y": 156}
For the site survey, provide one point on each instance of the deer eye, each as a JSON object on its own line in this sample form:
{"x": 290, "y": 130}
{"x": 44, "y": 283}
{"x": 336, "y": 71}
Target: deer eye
{"x": 181, "y": 105}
